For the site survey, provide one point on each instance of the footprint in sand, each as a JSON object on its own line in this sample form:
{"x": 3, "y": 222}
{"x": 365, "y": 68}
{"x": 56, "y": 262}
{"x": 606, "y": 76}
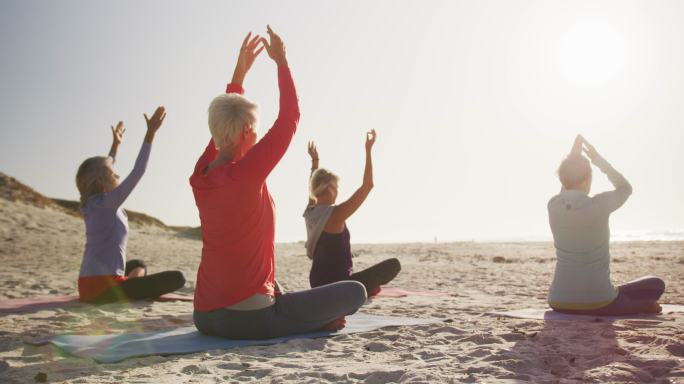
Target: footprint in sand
{"x": 449, "y": 330}
{"x": 379, "y": 377}
{"x": 377, "y": 346}
{"x": 233, "y": 366}
{"x": 479, "y": 352}
{"x": 193, "y": 369}
{"x": 516, "y": 336}
{"x": 432, "y": 355}
{"x": 676, "y": 349}
{"x": 255, "y": 373}
{"x": 483, "y": 339}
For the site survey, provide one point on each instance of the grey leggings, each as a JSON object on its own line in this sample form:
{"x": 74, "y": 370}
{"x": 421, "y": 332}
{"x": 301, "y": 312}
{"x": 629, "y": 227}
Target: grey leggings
{"x": 292, "y": 313}
{"x": 637, "y": 296}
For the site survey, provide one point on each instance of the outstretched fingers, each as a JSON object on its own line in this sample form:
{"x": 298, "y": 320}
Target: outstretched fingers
{"x": 154, "y": 122}
{"x": 249, "y": 44}
{"x": 118, "y": 132}
{"x": 245, "y": 42}
{"x": 258, "y": 51}
{"x": 159, "y": 114}
{"x": 313, "y": 152}
{"x": 253, "y": 43}
{"x": 265, "y": 44}
{"x": 274, "y": 46}
{"x": 274, "y": 36}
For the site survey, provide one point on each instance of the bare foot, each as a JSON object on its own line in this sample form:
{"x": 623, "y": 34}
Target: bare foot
{"x": 654, "y": 308}
{"x": 374, "y": 292}
{"x": 136, "y": 272}
{"x": 335, "y": 325}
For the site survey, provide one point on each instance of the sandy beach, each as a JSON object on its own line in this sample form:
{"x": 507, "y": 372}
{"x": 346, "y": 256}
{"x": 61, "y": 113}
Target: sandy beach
{"x": 41, "y": 250}
{"x": 471, "y": 141}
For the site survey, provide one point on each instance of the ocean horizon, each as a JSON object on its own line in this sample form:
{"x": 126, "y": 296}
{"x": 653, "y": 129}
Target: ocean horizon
{"x": 626, "y": 236}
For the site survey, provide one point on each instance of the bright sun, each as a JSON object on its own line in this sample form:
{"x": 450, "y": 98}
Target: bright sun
{"x": 591, "y": 53}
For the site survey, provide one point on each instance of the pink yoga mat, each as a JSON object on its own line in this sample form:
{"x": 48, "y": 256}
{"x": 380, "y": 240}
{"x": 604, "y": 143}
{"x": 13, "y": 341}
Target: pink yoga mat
{"x": 36, "y": 303}
{"x": 400, "y": 292}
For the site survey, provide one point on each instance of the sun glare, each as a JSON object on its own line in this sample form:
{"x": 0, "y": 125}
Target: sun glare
{"x": 591, "y": 53}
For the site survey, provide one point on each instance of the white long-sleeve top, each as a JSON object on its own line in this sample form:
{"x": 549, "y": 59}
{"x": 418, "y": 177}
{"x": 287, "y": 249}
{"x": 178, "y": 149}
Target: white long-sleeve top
{"x": 581, "y": 235}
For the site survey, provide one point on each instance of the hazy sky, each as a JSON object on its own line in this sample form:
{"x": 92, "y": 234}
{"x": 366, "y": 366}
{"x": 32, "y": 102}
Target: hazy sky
{"x": 475, "y": 103}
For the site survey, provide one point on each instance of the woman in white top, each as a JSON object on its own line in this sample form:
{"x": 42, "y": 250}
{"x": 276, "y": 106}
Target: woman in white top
{"x": 579, "y": 223}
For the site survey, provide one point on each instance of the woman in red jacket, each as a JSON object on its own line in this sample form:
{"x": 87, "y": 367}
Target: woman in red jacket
{"x": 234, "y": 294}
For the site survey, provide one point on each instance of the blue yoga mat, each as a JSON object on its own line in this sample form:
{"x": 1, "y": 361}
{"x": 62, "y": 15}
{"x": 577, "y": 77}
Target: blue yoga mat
{"x": 113, "y": 348}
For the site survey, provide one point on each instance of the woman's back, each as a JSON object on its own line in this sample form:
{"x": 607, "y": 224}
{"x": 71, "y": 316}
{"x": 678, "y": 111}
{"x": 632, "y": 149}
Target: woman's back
{"x": 237, "y": 212}
{"x": 106, "y": 238}
{"x": 238, "y": 233}
{"x": 579, "y": 226}
{"x": 220, "y": 200}
{"x": 581, "y": 238}
{"x": 332, "y": 258}
{"x": 581, "y": 234}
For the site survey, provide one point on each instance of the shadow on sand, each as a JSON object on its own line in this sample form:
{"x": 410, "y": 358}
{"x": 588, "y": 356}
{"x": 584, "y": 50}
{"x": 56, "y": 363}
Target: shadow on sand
{"x": 583, "y": 351}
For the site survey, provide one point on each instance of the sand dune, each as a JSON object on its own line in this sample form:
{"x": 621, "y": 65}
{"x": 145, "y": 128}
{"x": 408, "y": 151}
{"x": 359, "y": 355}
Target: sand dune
{"x": 40, "y": 253}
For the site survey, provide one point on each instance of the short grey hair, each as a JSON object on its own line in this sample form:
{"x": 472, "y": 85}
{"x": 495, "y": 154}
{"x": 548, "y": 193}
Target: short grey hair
{"x": 228, "y": 114}
{"x": 573, "y": 170}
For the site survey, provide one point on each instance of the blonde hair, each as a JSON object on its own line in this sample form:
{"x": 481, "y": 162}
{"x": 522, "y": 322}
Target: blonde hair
{"x": 92, "y": 177}
{"x": 320, "y": 180}
{"x": 228, "y": 115}
{"x": 573, "y": 170}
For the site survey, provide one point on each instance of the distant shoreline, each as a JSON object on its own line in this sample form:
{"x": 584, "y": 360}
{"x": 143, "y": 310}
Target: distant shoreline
{"x": 511, "y": 241}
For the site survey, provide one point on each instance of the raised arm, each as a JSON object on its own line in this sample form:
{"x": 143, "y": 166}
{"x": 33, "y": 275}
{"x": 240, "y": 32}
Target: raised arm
{"x": 119, "y": 194}
{"x": 248, "y": 53}
{"x": 343, "y": 211}
{"x": 575, "y": 151}
{"x": 577, "y": 146}
{"x": 117, "y": 137}
{"x": 610, "y": 200}
{"x": 260, "y": 160}
{"x": 313, "y": 153}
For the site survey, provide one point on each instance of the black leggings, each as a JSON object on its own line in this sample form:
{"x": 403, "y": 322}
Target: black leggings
{"x": 141, "y": 288}
{"x": 377, "y": 275}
